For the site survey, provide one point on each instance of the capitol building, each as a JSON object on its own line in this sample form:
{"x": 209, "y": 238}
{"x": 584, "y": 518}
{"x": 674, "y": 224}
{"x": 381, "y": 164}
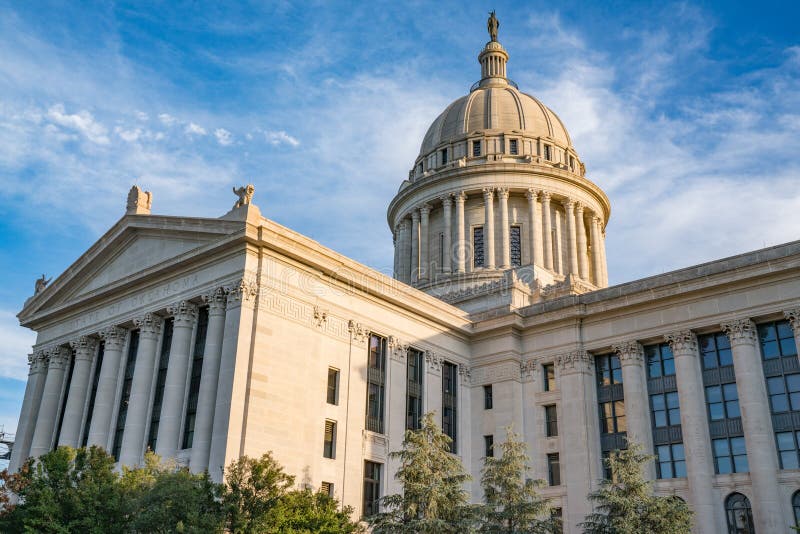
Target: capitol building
{"x": 205, "y": 339}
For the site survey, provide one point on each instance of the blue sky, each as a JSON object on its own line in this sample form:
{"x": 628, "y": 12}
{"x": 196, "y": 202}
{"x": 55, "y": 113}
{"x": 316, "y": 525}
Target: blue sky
{"x": 687, "y": 114}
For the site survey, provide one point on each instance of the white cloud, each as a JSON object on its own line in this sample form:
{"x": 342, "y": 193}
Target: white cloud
{"x": 194, "y": 129}
{"x": 82, "y": 122}
{"x": 167, "y": 119}
{"x": 224, "y": 137}
{"x": 280, "y": 138}
{"x": 128, "y": 135}
{"x": 16, "y": 345}
{"x": 142, "y": 116}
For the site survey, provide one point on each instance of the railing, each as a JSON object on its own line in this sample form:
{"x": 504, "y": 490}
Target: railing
{"x": 477, "y": 84}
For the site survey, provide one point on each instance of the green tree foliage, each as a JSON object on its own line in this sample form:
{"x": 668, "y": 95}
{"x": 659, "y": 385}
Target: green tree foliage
{"x": 512, "y": 503}
{"x": 626, "y": 504}
{"x": 433, "y": 498}
{"x": 305, "y": 512}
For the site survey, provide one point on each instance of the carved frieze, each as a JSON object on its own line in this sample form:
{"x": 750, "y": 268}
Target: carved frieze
{"x": 320, "y": 317}
{"x": 740, "y": 331}
{"x": 497, "y": 372}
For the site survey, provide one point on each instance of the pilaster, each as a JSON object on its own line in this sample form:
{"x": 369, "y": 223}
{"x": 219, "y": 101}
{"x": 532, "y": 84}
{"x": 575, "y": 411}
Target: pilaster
{"x": 415, "y": 247}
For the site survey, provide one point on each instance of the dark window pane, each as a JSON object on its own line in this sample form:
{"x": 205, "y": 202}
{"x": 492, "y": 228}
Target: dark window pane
{"x": 740, "y": 464}
{"x": 732, "y": 407}
{"x": 725, "y": 357}
{"x": 779, "y": 403}
{"x": 713, "y": 394}
{"x": 680, "y": 469}
{"x": 770, "y": 350}
{"x": 716, "y": 411}
{"x": 724, "y": 465}
{"x": 775, "y": 385}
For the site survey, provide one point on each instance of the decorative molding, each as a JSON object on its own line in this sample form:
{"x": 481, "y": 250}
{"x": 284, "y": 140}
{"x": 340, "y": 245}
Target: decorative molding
{"x": 148, "y": 324}
{"x": 358, "y": 333}
{"x": 466, "y": 374}
{"x": 498, "y": 372}
{"x": 434, "y": 361}
{"x": 683, "y": 341}
{"x": 38, "y": 361}
{"x": 113, "y": 337}
{"x": 575, "y": 361}
{"x": 571, "y": 285}
{"x": 58, "y": 357}
{"x": 531, "y": 194}
{"x": 242, "y": 291}
{"x": 502, "y": 193}
{"x": 183, "y": 313}
{"x": 216, "y": 299}
{"x": 629, "y": 352}
{"x": 424, "y": 209}
{"x": 546, "y": 196}
{"x": 460, "y": 196}
{"x": 84, "y": 347}
{"x": 303, "y": 313}
{"x": 793, "y": 316}
{"x": 527, "y": 370}
{"x": 320, "y": 317}
{"x": 488, "y": 193}
{"x": 397, "y": 349}
{"x": 740, "y": 331}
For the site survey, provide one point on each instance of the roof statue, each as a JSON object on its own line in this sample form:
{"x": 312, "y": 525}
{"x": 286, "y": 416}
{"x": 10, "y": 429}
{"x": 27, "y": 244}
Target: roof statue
{"x": 493, "y": 25}
{"x": 41, "y": 283}
{"x": 245, "y": 194}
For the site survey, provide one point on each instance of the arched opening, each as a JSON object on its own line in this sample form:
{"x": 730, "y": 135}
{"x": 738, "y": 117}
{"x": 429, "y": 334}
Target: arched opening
{"x": 796, "y": 507}
{"x": 739, "y": 514}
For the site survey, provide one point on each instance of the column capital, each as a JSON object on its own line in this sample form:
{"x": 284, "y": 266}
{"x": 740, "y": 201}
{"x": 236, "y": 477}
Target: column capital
{"x": 424, "y": 208}
{"x": 84, "y": 347}
{"x": 546, "y": 196}
{"x": 488, "y": 193}
{"x": 241, "y": 291}
{"x": 148, "y": 324}
{"x": 215, "y": 299}
{"x": 113, "y": 337}
{"x": 397, "y": 349}
{"x": 465, "y": 371}
{"x": 793, "y": 316}
{"x": 740, "y": 331}
{"x": 37, "y": 361}
{"x": 358, "y": 332}
{"x": 683, "y": 341}
{"x": 502, "y": 193}
{"x": 447, "y": 200}
{"x": 460, "y": 196}
{"x": 597, "y": 220}
{"x": 575, "y": 361}
{"x": 58, "y": 357}
{"x": 629, "y": 352}
{"x": 568, "y": 204}
{"x": 579, "y": 208}
{"x": 415, "y": 215}
{"x": 183, "y": 313}
{"x": 434, "y": 361}
{"x": 532, "y": 194}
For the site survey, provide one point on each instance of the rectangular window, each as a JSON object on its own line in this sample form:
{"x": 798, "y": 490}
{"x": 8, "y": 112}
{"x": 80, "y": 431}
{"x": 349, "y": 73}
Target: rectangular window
{"x": 441, "y": 249}
{"x": 513, "y": 148}
{"x": 777, "y": 340}
{"x": 329, "y": 448}
{"x": 414, "y": 373}
{"x": 130, "y": 365}
{"x": 488, "y": 446}
{"x": 477, "y": 246}
{"x": 161, "y": 381}
{"x": 444, "y": 156}
{"x": 194, "y": 383}
{"x": 716, "y": 350}
{"x": 553, "y": 470}
{"x": 723, "y": 402}
{"x": 476, "y": 148}
{"x": 333, "y": 386}
{"x": 612, "y": 417}
{"x": 549, "y": 377}
{"x": 608, "y": 369}
{"x": 547, "y": 153}
{"x": 449, "y": 405}
{"x": 326, "y": 488}
{"x": 787, "y": 449}
{"x": 665, "y": 409}
{"x": 551, "y": 421}
{"x": 516, "y": 246}
{"x": 671, "y": 461}
{"x": 487, "y": 397}
{"x": 93, "y": 395}
{"x": 660, "y": 361}
{"x": 730, "y": 455}
{"x": 376, "y": 383}
{"x": 372, "y": 487}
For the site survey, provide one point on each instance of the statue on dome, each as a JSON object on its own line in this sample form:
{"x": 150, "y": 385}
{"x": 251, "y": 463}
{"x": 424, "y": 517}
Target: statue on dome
{"x": 41, "y": 283}
{"x": 493, "y": 25}
{"x": 245, "y": 194}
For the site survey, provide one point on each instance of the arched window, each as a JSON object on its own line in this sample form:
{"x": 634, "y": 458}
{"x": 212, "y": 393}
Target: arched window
{"x": 739, "y": 513}
{"x": 796, "y": 507}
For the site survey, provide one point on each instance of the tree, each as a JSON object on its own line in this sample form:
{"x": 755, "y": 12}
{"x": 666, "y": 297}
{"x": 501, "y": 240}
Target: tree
{"x": 303, "y": 511}
{"x": 625, "y": 504}
{"x": 512, "y": 502}
{"x": 433, "y": 498}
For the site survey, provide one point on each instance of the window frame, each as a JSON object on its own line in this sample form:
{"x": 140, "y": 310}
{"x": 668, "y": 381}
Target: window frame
{"x": 550, "y": 423}
{"x": 488, "y": 397}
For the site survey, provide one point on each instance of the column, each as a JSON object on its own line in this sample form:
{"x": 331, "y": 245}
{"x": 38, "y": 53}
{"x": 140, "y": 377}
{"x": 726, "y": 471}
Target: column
{"x": 547, "y": 231}
{"x": 209, "y": 376}
{"x": 461, "y": 244}
{"x": 583, "y": 263}
{"x": 757, "y": 424}
{"x": 184, "y": 314}
{"x": 84, "y": 348}
{"x": 488, "y": 227}
{"x": 637, "y": 416}
{"x": 604, "y": 260}
{"x": 133, "y": 436}
{"x": 505, "y": 240}
{"x": 694, "y": 424}
{"x": 580, "y": 461}
{"x": 226, "y": 432}
{"x": 396, "y": 243}
{"x": 58, "y": 360}
{"x": 597, "y": 260}
{"x": 533, "y": 228}
{"x": 415, "y": 246}
{"x": 405, "y": 250}
{"x": 99, "y": 431}
{"x": 433, "y": 385}
{"x": 447, "y": 254}
{"x": 572, "y": 247}
{"x": 29, "y": 414}
{"x": 424, "y": 243}
{"x": 793, "y": 316}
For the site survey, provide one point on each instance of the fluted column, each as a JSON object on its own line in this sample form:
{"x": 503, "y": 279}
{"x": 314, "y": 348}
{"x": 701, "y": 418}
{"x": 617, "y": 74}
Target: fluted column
{"x": 461, "y": 244}
{"x": 533, "y": 228}
{"x": 757, "y": 424}
{"x": 488, "y": 227}
{"x": 694, "y": 425}
{"x": 405, "y": 251}
{"x": 58, "y": 360}
{"x": 209, "y": 377}
{"x": 604, "y": 260}
{"x": 631, "y": 356}
{"x": 114, "y": 341}
{"x": 547, "y": 231}
{"x": 793, "y": 316}
{"x": 447, "y": 241}
{"x": 168, "y": 441}
{"x": 424, "y": 243}
{"x": 396, "y": 243}
{"x": 415, "y": 263}
{"x": 505, "y": 238}
{"x": 597, "y": 260}
{"x": 84, "y": 348}
{"x": 572, "y": 247}
{"x": 583, "y": 263}
{"x": 133, "y": 436}
{"x": 37, "y": 373}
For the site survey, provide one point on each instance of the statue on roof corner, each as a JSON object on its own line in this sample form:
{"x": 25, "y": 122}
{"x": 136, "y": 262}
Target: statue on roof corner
{"x": 493, "y": 25}
{"x": 245, "y": 194}
{"x": 41, "y": 283}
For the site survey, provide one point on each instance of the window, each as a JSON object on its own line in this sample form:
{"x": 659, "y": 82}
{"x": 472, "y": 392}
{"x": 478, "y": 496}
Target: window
{"x": 553, "y": 470}
{"x": 488, "y": 446}
{"x": 487, "y": 397}
{"x": 739, "y": 514}
{"x": 796, "y": 507}
{"x": 665, "y": 409}
{"x": 326, "y": 488}
{"x": 476, "y": 148}
{"x": 549, "y": 375}
{"x": 512, "y": 147}
{"x": 93, "y": 395}
{"x": 130, "y": 365}
{"x": 671, "y": 461}
{"x": 477, "y": 246}
{"x": 572, "y": 163}
{"x": 372, "y": 487}
{"x": 414, "y": 372}
{"x": 787, "y": 449}
{"x": 716, "y": 351}
{"x": 609, "y": 370}
{"x": 777, "y": 340}
{"x": 516, "y": 247}
{"x": 550, "y": 421}
{"x": 730, "y": 455}
{"x": 194, "y": 383}
{"x": 449, "y": 413}
{"x": 612, "y": 417}
{"x": 443, "y": 152}
{"x": 333, "y": 386}
{"x": 419, "y": 168}
{"x": 723, "y": 402}
{"x": 161, "y": 381}
{"x": 547, "y": 154}
{"x": 329, "y": 448}
{"x": 376, "y": 383}
{"x": 660, "y": 361}
{"x": 784, "y": 392}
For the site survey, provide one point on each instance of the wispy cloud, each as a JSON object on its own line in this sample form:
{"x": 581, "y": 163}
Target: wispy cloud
{"x": 81, "y": 122}
{"x": 194, "y": 129}
{"x": 224, "y": 137}
{"x": 281, "y": 138}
